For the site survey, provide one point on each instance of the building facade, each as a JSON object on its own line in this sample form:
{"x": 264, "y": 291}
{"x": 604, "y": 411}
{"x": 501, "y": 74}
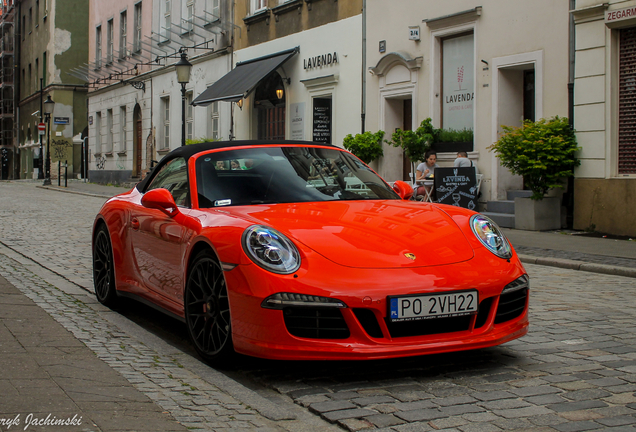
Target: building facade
{"x": 307, "y": 61}
{"x": 53, "y": 39}
{"x": 465, "y": 67}
{"x": 135, "y": 101}
{"x": 604, "y": 116}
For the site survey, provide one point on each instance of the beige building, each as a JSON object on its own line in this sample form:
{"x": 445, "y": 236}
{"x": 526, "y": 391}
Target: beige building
{"x": 465, "y": 65}
{"x": 604, "y": 116}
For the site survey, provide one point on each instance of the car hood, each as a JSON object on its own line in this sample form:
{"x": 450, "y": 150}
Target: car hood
{"x": 368, "y": 234}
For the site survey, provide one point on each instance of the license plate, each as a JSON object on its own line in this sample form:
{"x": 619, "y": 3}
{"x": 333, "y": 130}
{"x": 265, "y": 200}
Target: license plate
{"x": 429, "y": 306}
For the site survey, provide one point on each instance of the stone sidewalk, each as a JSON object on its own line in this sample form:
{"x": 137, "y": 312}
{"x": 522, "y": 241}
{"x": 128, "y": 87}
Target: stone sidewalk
{"x": 50, "y": 378}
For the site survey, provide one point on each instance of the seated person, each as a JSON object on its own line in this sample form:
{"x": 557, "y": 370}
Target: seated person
{"x": 426, "y": 170}
{"x": 220, "y": 165}
{"x": 463, "y": 161}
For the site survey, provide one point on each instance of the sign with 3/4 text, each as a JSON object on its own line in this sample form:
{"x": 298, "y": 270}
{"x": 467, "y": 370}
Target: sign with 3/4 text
{"x": 456, "y": 186}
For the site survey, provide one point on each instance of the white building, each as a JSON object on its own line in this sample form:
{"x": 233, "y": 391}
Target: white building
{"x": 465, "y": 66}
{"x": 135, "y": 109}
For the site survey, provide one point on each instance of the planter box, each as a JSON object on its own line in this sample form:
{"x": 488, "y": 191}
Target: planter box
{"x": 537, "y": 215}
{"x": 452, "y": 147}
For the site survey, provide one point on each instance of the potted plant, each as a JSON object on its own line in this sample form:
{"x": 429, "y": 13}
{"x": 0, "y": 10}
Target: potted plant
{"x": 415, "y": 143}
{"x": 453, "y": 140}
{"x": 543, "y": 153}
{"x": 367, "y": 146}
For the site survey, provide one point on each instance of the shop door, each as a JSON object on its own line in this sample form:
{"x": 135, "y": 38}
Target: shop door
{"x": 271, "y": 123}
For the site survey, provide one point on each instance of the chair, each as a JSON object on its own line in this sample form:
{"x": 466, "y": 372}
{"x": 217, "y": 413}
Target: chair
{"x": 428, "y": 196}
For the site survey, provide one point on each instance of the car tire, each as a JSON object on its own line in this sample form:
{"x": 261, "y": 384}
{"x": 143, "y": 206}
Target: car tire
{"x": 104, "y": 268}
{"x": 207, "y": 310}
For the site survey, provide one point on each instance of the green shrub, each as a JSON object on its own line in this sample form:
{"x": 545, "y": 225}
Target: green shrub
{"x": 415, "y": 143}
{"x": 367, "y": 146}
{"x": 199, "y": 140}
{"x": 543, "y": 152}
{"x": 454, "y": 135}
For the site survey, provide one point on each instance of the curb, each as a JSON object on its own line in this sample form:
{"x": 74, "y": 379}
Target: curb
{"x": 66, "y": 190}
{"x": 579, "y": 265}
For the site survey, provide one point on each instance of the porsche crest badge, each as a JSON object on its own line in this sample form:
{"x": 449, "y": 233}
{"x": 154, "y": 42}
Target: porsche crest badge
{"x": 410, "y": 256}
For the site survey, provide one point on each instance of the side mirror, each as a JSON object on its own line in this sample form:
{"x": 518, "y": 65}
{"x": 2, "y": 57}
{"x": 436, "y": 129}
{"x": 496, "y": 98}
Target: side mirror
{"x": 403, "y": 189}
{"x": 160, "y": 199}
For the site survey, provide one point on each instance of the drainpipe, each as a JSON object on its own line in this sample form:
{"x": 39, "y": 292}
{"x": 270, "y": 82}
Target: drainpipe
{"x": 568, "y": 197}
{"x": 364, "y": 63}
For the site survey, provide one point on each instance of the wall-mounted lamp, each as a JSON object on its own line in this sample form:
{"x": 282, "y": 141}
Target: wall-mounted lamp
{"x": 239, "y": 103}
{"x": 279, "y": 92}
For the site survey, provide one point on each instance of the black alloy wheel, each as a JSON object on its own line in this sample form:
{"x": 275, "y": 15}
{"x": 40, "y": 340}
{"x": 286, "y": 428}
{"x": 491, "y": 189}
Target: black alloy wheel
{"x": 104, "y": 268}
{"x": 207, "y": 310}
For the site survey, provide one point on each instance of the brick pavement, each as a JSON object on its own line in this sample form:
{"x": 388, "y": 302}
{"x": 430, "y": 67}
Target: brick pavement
{"x": 575, "y": 370}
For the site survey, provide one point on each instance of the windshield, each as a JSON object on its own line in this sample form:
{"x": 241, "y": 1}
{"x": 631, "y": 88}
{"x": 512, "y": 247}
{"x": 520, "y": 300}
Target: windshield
{"x": 265, "y": 175}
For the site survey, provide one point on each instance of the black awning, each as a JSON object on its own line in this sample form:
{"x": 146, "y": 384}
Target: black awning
{"x": 244, "y": 78}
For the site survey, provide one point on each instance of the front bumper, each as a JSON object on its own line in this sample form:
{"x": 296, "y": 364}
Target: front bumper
{"x": 363, "y": 330}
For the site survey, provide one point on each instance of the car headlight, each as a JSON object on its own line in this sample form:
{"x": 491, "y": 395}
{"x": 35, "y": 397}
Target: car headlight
{"x": 270, "y": 249}
{"x": 490, "y": 236}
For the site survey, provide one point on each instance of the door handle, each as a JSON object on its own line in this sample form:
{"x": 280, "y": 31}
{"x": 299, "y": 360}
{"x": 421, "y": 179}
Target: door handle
{"x": 134, "y": 223}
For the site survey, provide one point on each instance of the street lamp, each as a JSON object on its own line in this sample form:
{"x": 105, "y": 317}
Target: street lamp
{"x": 183, "y": 68}
{"x": 48, "y": 110}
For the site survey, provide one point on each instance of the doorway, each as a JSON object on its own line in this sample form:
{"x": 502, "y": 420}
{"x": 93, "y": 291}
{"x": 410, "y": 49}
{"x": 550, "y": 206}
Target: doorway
{"x": 269, "y": 103}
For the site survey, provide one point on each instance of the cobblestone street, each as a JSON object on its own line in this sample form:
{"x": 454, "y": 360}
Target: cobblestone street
{"x": 574, "y": 371}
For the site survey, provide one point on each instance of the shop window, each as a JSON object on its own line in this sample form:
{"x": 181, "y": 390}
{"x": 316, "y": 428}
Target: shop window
{"x": 627, "y": 103}
{"x": 458, "y": 81}
{"x": 322, "y": 119}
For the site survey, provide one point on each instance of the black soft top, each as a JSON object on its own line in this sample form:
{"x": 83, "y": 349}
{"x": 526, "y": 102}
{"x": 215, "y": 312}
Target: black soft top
{"x": 189, "y": 150}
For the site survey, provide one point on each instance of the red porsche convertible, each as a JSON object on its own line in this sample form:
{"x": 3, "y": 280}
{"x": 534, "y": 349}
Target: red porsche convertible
{"x": 298, "y": 250}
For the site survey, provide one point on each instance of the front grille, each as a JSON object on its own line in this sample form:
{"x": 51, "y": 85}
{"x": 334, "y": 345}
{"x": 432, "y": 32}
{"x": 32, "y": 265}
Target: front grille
{"x": 428, "y": 327}
{"x": 511, "y": 305}
{"x": 368, "y": 322}
{"x": 315, "y": 323}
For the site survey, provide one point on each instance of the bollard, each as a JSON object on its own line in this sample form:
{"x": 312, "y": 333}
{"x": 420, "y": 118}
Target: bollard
{"x": 59, "y": 172}
{"x": 66, "y": 173}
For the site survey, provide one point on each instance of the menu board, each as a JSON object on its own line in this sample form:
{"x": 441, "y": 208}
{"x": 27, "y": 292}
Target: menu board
{"x": 456, "y": 186}
{"x": 322, "y": 120}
